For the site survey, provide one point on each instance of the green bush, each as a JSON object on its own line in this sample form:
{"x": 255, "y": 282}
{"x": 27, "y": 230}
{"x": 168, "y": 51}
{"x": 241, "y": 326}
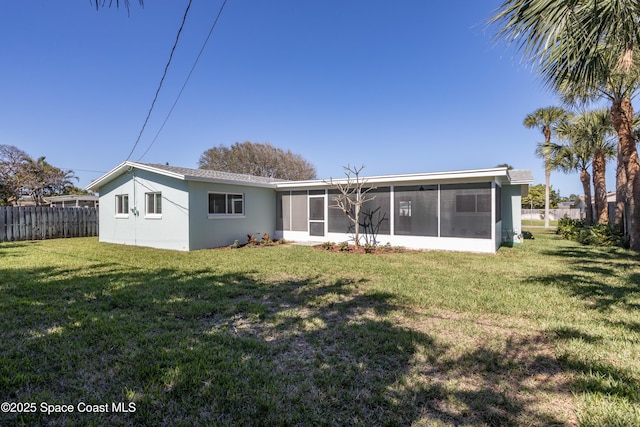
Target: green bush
{"x": 327, "y": 246}
{"x": 595, "y": 235}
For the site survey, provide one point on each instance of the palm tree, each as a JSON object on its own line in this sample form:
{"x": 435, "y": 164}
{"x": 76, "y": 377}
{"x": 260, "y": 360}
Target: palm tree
{"x": 546, "y": 119}
{"x": 589, "y": 50}
{"x": 590, "y": 141}
{"x": 570, "y": 158}
{"x": 41, "y": 179}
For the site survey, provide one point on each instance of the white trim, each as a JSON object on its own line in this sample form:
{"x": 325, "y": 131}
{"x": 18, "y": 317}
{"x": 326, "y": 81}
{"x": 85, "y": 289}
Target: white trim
{"x": 119, "y": 201}
{"x": 325, "y": 220}
{"x": 225, "y": 216}
{"x": 153, "y": 215}
{"x": 428, "y": 177}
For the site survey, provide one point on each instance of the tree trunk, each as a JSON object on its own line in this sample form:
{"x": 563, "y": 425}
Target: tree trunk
{"x": 621, "y": 190}
{"x": 547, "y": 175}
{"x": 356, "y": 225}
{"x": 622, "y": 120}
{"x": 547, "y": 181}
{"x": 600, "y": 187}
{"x": 585, "y": 178}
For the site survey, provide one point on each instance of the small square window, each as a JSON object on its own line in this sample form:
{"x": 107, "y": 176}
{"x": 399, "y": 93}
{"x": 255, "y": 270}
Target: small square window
{"x": 405, "y": 208}
{"x": 122, "y": 204}
{"x": 154, "y": 204}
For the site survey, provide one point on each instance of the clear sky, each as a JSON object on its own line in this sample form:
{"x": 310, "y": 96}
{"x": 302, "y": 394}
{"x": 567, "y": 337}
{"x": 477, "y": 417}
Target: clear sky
{"x": 400, "y": 86}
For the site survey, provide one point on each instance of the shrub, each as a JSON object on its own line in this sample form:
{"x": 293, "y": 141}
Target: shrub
{"x": 327, "y": 246}
{"x": 595, "y": 235}
{"x": 569, "y": 228}
{"x": 266, "y": 240}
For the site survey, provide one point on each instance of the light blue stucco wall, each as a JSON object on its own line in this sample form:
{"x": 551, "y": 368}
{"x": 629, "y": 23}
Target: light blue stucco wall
{"x": 170, "y": 230}
{"x": 210, "y": 232}
{"x": 511, "y": 210}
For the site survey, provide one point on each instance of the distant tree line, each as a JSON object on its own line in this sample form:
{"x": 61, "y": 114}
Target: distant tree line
{"x": 257, "y": 159}
{"x": 21, "y": 175}
{"x": 536, "y": 199}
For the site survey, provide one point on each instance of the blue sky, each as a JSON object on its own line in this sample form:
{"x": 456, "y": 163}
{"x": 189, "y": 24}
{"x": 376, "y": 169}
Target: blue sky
{"x": 401, "y": 87}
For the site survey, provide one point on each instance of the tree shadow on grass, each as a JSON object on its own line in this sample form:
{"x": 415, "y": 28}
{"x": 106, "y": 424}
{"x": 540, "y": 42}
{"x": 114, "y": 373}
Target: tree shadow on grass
{"x": 598, "y": 276}
{"x": 605, "y": 281}
{"x": 201, "y": 347}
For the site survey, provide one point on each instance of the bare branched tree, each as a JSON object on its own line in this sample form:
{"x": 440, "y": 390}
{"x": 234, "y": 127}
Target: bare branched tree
{"x": 353, "y": 195}
{"x": 108, "y": 3}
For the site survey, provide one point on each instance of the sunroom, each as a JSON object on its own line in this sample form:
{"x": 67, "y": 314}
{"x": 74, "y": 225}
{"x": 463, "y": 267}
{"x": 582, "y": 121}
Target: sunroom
{"x": 462, "y": 210}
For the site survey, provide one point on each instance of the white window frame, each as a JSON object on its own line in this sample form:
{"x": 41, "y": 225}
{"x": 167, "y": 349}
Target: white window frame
{"x": 230, "y": 199}
{"x": 154, "y": 214}
{"x": 121, "y": 211}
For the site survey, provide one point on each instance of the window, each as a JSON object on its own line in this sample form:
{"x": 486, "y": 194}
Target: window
{"x": 226, "y": 204}
{"x": 473, "y": 203}
{"x": 405, "y": 208}
{"x": 122, "y": 204}
{"x": 154, "y": 204}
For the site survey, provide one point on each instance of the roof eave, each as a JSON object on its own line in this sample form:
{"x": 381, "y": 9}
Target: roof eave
{"x": 430, "y": 176}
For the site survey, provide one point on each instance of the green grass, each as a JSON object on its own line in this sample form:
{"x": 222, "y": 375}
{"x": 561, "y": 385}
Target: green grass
{"x": 544, "y": 333}
{"x": 538, "y": 222}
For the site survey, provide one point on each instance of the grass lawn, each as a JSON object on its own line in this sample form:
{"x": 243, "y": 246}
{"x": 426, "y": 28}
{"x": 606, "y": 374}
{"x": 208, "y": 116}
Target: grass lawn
{"x": 545, "y": 333}
{"x": 538, "y": 222}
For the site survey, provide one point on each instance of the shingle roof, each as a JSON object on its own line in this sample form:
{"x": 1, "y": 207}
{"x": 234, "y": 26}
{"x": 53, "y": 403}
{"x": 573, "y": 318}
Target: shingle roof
{"x": 514, "y": 176}
{"x": 206, "y": 174}
{"x": 520, "y": 176}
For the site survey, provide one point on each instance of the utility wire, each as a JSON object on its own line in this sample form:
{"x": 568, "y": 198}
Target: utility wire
{"x": 166, "y": 68}
{"x": 186, "y": 80}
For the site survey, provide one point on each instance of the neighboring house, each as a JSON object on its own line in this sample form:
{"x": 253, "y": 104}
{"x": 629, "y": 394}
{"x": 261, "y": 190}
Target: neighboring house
{"x": 72, "y": 201}
{"x": 67, "y": 201}
{"x": 187, "y": 209}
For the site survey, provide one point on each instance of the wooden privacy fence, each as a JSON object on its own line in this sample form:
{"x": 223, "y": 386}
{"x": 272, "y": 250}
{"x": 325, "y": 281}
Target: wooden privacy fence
{"x": 533, "y": 214}
{"x": 38, "y": 222}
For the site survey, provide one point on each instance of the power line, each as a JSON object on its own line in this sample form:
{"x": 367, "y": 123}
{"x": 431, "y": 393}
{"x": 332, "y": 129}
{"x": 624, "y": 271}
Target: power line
{"x": 81, "y": 170}
{"x": 166, "y": 68}
{"x": 186, "y": 80}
